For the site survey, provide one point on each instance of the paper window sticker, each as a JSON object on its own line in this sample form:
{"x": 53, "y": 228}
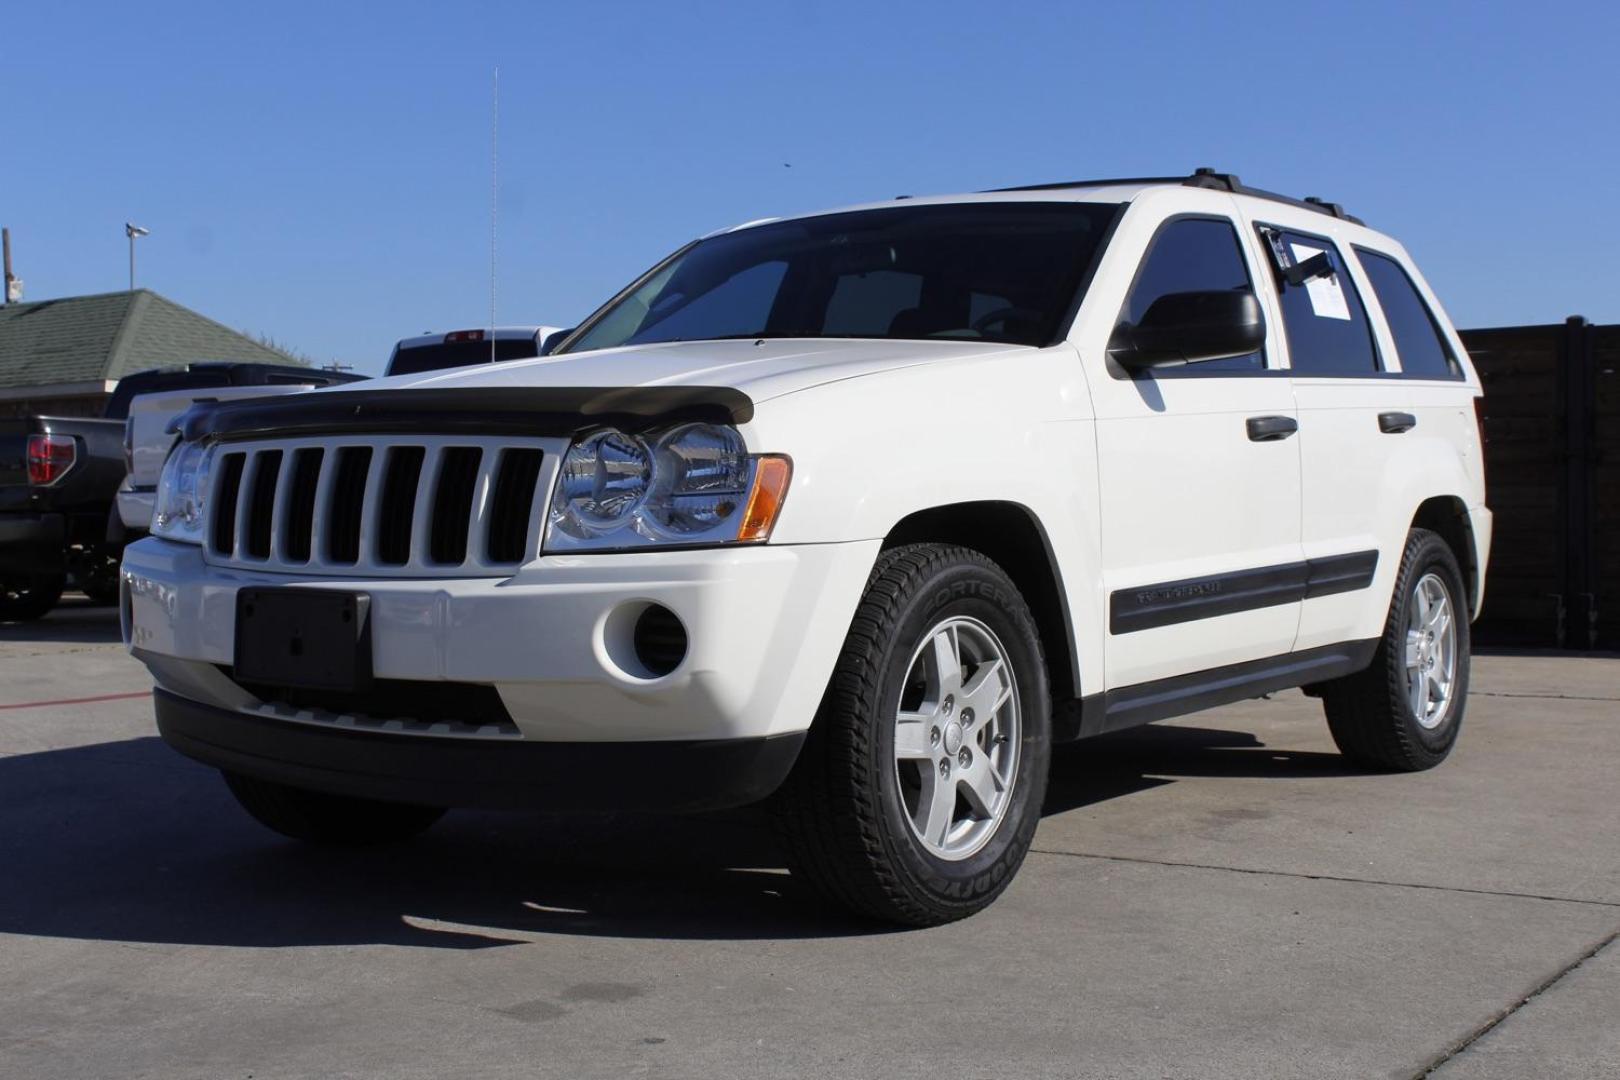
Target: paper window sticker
{"x": 1326, "y": 294}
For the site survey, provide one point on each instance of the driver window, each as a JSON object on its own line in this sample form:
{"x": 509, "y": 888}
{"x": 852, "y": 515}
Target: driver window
{"x": 1193, "y": 255}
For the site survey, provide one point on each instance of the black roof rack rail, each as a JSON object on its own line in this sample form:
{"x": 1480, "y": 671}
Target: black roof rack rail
{"x": 1203, "y": 178}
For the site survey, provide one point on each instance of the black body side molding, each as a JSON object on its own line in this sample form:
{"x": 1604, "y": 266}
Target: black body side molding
{"x": 527, "y": 411}
{"x": 1131, "y": 706}
{"x": 1147, "y": 607}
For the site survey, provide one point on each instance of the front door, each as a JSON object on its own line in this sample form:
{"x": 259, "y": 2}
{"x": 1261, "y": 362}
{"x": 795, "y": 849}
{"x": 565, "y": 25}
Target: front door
{"x": 1200, "y": 484}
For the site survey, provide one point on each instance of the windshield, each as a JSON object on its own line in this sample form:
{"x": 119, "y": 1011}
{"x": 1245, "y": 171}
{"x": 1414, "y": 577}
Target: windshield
{"x": 995, "y": 271}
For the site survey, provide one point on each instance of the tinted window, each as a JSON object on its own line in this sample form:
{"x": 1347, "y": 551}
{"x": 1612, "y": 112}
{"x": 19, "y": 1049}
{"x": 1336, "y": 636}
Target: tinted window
{"x": 1193, "y": 255}
{"x": 1327, "y": 327}
{"x": 1422, "y": 349}
{"x": 726, "y": 310}
{"x": 864, "y": 305}
{"x": 1004, "y": 272}
{"x": 459, "y": 354}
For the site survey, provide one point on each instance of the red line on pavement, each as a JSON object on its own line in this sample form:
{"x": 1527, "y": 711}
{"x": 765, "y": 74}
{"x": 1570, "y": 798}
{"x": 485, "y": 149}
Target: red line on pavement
{"x": 77, "y": 700}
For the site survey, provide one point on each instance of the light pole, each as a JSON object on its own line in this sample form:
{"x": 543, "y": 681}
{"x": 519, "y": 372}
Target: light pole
{"x": 132, "y": 231}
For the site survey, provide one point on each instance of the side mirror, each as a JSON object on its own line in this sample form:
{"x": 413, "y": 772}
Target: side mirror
{"x": 1187, "y": 327}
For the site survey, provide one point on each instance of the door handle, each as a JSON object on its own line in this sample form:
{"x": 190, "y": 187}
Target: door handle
{"x": 1393, "y": 423}
{"x": 1271, "y": 428}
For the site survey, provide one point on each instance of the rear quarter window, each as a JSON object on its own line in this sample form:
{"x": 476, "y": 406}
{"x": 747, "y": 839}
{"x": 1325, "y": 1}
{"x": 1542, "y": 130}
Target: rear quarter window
{"x": 1418, "y": 340}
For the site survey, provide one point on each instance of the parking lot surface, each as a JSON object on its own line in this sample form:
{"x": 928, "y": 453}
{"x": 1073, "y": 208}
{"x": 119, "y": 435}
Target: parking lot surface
{"x": 1215, "y": 897}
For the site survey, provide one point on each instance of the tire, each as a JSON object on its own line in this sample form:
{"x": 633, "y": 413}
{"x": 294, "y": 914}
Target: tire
{"x": 97, "y": 575}
{"x": 858, "y": 814}
{"x": 318, "y": 818}
{"x": 1372, "y": 714}
{"x": 25, "y": 597}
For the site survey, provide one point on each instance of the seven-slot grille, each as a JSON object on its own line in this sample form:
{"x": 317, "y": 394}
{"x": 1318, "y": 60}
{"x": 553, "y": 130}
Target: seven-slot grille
{"x": 391, "y": 506}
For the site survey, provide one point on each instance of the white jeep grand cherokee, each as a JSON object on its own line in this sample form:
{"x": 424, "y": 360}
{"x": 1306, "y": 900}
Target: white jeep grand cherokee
{"x": 860, "y": 512}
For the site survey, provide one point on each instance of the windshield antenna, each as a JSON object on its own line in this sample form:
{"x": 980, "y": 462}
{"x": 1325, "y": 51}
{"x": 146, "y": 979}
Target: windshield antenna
{"x": 494, "y": 195}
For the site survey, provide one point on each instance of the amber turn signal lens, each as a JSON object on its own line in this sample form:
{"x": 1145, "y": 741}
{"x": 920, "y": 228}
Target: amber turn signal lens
{"x": 771, "y": 476}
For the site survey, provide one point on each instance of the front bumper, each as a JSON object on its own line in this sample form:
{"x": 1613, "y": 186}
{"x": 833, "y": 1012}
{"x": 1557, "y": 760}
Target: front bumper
{"x": 33, "y": 543}
{"x": 764, "y": 626}
{"x": 684, "y": 775}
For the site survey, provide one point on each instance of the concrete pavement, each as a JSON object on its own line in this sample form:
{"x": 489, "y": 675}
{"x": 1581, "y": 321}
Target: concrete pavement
{"x": 1210, "y": 898}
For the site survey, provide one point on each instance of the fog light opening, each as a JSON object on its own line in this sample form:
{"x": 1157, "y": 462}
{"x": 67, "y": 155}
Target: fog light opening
{"x": 642, "y": 640}
{"x": 659, "y": 639}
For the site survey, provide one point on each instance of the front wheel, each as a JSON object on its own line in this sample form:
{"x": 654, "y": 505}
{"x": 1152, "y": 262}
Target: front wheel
{"x": 24, "y": 597}
{"x": 319, "y": 818}
{"x": 917, "y": 793}
{"x": 1404, "y": 712}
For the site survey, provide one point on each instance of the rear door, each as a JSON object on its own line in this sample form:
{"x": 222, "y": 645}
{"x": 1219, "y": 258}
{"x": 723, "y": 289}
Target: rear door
{"x": 1200, "y": 519}
{"x": 1350, "y": 419}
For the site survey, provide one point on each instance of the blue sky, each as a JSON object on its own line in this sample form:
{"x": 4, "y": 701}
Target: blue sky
{"x": 320, "y": 172}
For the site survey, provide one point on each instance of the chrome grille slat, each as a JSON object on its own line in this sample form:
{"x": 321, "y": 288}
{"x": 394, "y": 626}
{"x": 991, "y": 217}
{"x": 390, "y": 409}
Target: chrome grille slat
{"x": 278, "y": 511}
{"x": 320, "y": 519}
{"x": 478, "y": 532}
{"x": 461, "y": 520}
{"x": 371, "y": 505}
{"x": 244, "y": 503}
{"x": 427, "y": 483}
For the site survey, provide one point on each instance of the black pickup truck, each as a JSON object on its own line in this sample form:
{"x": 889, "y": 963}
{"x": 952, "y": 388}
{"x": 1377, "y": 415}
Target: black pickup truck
{"x": 57, "y": 478}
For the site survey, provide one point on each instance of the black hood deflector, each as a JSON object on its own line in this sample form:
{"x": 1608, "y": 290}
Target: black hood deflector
{"x": 525, "y": 411}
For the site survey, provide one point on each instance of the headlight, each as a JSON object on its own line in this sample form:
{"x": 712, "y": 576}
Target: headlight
{"x": 182, "y": 492}
{"x": 686, "y": 485}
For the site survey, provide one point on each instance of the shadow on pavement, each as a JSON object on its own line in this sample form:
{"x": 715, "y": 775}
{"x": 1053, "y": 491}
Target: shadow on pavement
{"x": 73, "y": 621}
{"x": 128, "y": 841}
{"x": 1111, "y": 766}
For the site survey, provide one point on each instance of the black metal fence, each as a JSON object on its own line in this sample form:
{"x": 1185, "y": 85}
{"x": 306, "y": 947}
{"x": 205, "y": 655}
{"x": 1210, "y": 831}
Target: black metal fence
{"x": 1552, "y": 473}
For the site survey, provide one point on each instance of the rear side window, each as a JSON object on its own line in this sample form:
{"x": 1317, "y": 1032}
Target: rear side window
{"x": 1192, "y": 255}
{"x": 1327, "y": 327}
{"x": 1422, "y": 348}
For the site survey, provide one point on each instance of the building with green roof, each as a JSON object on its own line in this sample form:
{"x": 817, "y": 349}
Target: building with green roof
{"x": 64, "y": 357}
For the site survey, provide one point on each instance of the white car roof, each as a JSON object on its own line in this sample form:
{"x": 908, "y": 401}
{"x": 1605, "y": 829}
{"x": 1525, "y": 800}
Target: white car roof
{"x": 1103, "y": 191}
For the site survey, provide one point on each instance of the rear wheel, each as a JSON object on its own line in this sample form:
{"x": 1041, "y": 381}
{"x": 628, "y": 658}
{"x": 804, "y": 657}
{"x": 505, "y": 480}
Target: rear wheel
{"x": 319, "y": 818}
{"x": 97, "y": 574}
{"x": 29, "y": 596}
{"x": 1405, "y": 711}
{"x": 920, "y": 785}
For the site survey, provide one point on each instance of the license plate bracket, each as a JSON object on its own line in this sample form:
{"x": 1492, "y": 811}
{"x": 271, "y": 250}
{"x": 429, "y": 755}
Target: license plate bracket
{"x": 317, "y": 639}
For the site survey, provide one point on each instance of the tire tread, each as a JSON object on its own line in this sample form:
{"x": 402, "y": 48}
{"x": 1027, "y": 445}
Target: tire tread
{"x": 828, "y": 813}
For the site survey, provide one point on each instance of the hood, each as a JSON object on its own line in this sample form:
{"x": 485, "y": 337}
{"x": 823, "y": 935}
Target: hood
{"x": 768, "y": 369}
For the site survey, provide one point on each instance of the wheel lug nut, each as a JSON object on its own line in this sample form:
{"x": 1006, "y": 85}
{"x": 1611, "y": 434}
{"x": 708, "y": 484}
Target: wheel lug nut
{"x": 964, "y": 758}
{"x": 967, "y": 717}
{"x": 948, "y": 706}
{"x": 945, "y": 768}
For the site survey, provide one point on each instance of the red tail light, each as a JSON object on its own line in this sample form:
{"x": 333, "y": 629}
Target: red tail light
{"x": 463, "y": 335}
{"x": 49, "y": 458}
